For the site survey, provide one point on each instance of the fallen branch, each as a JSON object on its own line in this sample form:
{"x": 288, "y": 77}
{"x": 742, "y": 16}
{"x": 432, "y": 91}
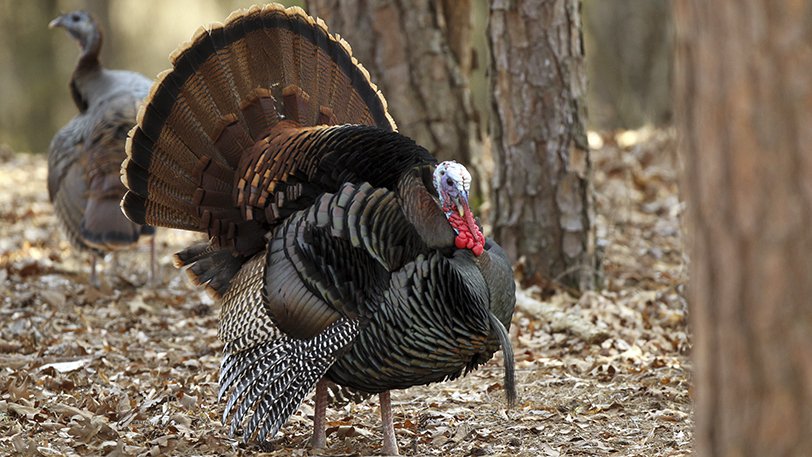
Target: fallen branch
{"x": 559, "y": 319}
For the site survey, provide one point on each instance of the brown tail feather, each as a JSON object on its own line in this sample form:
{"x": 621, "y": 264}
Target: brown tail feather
{"x": 228, "y": 87}
{"x": 210, "y": 266}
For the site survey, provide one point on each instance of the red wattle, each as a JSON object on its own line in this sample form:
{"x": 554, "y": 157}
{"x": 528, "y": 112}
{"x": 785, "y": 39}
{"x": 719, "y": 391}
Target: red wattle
{"x": 468, "y": 234}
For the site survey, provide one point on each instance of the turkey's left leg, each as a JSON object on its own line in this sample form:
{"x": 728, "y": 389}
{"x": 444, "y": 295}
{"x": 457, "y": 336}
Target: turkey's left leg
{"x": 94, "y": 279}
{"x": 151, "y": 278}
{"x": 319, "y": 439}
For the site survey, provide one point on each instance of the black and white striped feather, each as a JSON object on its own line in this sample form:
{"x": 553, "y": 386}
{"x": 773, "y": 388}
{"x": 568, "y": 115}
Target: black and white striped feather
{"x": 274, "y": 378}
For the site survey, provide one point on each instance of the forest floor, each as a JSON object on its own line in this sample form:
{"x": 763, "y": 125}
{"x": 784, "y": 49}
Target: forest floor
{"x": 132, "y": 370}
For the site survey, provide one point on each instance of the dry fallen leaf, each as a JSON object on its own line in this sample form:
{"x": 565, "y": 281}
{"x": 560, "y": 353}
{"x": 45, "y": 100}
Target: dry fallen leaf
{"x": 21, "y": 410}
{"x": 66, "y": 367}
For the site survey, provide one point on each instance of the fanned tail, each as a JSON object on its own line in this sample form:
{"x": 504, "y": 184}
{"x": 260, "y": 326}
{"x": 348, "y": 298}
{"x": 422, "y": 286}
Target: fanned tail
{"x": 267, "y": 383}
{"x": 228, "y": 87}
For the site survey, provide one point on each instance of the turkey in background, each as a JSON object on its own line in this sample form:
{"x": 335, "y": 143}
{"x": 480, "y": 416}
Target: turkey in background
{"x": 85, "y": 156}
{"x": 340, "y": 249}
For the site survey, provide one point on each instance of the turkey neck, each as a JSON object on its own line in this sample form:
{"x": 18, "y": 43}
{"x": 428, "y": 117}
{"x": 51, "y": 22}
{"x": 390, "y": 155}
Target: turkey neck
{"x": 89, "y": 59}
{"x": 422, "y": 209}
{"x": 87, "y": 67}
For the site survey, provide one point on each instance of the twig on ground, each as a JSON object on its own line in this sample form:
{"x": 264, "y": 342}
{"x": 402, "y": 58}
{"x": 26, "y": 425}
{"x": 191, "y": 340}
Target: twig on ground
{"x": 559, "y": 319}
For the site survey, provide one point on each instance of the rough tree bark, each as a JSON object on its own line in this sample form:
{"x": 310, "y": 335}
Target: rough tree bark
{"x": 541, "y": 188}
{"x": 419, "y": 55}
{"x": 744, "y": 94}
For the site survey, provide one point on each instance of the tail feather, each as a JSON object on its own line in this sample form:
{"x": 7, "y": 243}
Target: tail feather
{"x": 261, "y": 111}
{"x": 135, "y": 207}
{"x": 177, "y": 166}
{"x": 275, "y": 377}
{"x": 209, "y": 266}
{"x": 230, "y": 84}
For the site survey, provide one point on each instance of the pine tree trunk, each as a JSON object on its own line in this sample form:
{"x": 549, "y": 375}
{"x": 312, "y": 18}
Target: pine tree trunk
{"x": 418, "y": 53}
{"x": 541, "y": 187}
{"x": 744, "y": 94}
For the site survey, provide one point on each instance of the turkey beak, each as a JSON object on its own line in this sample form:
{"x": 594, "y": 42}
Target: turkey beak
{"x": 55, "y": 23}
{"x": 462, "y": 203}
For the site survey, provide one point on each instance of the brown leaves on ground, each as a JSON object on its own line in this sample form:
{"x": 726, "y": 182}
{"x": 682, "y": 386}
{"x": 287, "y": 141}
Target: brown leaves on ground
{"x": 132, "y": 370}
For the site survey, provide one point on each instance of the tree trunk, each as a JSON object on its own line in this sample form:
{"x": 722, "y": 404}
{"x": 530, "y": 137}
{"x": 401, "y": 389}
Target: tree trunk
{"x": 744, "y": 94}
{"x": 419, "y": 55}
{"x": 541, "y": 205}
{"x": 27, "y": 118}
{"x": 458, "y": 24}
{"x": 630, "y": 65}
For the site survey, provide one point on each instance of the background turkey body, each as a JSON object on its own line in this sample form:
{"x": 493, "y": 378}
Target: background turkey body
{"x": 85, "y": 156}
{"x": 340, "y": 250}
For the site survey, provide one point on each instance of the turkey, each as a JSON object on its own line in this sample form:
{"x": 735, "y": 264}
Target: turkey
{"x": 339, "y": 249}
{"x": 84, "y": 159}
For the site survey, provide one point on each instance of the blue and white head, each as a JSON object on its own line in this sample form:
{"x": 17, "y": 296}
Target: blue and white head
{"x": 453, "y": 184}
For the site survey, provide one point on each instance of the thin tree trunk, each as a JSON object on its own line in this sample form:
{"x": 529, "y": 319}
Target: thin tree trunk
{"x": 418, "y": 54}
{"x": 541, "y": 206}
{"x": 457, "y": 23}
{"x": 744, "y": 94}
{"x": 630, "y": 65}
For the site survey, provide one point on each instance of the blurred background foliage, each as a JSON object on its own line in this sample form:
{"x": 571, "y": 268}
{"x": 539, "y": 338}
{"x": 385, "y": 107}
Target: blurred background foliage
{"x": 628, "y": 48}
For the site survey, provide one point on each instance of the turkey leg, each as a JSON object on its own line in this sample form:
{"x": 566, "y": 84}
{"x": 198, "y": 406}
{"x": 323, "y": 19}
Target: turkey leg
{"x": 94, "y": 280}
{"x": 319, "y": 439}
{"x": 390, "y": 444}
{"x": 151, "y": 278}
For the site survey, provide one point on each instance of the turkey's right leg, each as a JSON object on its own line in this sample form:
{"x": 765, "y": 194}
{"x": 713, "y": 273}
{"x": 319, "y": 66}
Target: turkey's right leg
{"x": 319, "y": 439}
{"x": 390, "y": 443}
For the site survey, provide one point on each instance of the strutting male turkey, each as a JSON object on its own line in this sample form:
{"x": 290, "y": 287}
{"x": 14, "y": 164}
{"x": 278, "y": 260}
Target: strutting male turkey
{"x": 84, "y": 159}
{"x": 340, "y": 249}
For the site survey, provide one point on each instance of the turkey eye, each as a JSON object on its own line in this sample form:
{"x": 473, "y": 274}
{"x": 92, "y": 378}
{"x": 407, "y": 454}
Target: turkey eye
{"x": 75, "y": 18}
{"x": 450, "y": 182}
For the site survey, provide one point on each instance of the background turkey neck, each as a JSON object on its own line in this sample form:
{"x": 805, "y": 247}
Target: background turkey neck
{"x": 89, "y": 59}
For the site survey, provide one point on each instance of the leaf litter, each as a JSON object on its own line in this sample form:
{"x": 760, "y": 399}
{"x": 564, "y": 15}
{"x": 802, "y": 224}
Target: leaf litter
{"x": 129, "y": 370}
